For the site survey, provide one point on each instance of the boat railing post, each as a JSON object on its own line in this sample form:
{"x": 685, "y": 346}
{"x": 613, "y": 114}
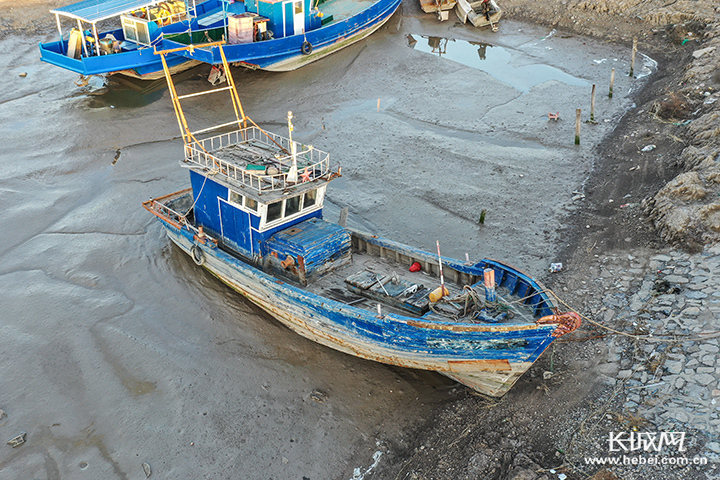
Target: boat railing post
{"x": 57, "y": 21}
{"x": 97, "y": 40}
{"x": 82, "y": 37}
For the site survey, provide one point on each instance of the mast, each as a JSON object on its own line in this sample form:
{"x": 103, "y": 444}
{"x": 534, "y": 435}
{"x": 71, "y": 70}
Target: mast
{"x": 292, "y": 175}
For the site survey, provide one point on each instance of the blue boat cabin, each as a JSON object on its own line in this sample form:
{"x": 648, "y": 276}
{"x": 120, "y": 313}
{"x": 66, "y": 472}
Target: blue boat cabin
{"x": 256, "y": 212}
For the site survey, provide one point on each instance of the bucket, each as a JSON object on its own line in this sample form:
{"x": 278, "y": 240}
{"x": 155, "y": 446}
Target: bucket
{"x": 106, "y": 46}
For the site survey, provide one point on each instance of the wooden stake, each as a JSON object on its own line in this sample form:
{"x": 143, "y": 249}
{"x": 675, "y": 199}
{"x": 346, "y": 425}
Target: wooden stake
{"x": 343, "y": 217}
{"x": 612, "y": 82}
{"x": 378, "y": 109}
{"x": 632, "y": 57}
{"x": 577, "y": 126}
{"x": 592, "y": 105}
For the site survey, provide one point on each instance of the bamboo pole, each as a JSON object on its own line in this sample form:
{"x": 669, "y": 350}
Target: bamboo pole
{"x": 632, "y": 57}
{"x": 612, "y": 82}
{"x": 577, "y": 126}
{"x": 592, "y": 105}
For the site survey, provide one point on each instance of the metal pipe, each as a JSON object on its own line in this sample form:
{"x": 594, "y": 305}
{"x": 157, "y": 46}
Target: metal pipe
{"x": 57, "y": 21}
{"x": 97, "y": 40}
{"x": 82, "y": 38}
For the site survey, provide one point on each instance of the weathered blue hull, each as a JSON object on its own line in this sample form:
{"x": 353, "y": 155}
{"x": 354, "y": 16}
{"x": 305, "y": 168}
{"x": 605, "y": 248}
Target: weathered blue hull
{"x": 486, "y": 357}
{"x": 284, "y": 54}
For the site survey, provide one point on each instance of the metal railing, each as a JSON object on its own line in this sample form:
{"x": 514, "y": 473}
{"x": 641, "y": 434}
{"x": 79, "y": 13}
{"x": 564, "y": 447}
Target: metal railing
{"x": 311, "y": 162}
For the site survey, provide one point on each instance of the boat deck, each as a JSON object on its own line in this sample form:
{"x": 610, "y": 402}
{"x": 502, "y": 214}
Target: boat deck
{"x": 344, "y": 9}
{"x": 400, "y": 290}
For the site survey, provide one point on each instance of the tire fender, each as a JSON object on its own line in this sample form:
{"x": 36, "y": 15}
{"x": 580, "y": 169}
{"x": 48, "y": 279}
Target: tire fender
{"x": 197, "y": 255}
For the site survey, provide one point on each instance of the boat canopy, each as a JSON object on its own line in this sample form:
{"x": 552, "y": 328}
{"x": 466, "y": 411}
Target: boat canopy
{"x": 93, "y": 11}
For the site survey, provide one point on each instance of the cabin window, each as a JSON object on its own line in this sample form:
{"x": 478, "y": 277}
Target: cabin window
{"x": 135, "y": 30}
{"x": 274, "y": 211}
{"x": 251, "y": 204}
{"x": 298, "y": 8}
{"x": 310, "y": 199}
{"x": 292, "y": 206}
{"x": 235, "y": 197}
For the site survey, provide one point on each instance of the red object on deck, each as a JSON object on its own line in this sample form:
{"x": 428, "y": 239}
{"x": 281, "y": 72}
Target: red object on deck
{"x": 415, "y": 267}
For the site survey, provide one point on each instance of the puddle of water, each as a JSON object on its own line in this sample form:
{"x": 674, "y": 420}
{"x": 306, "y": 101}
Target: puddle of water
{"x": 494, "y": 60}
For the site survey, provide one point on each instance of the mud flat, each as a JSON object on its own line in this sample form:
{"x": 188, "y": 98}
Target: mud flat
{"x": 120, "y": 352}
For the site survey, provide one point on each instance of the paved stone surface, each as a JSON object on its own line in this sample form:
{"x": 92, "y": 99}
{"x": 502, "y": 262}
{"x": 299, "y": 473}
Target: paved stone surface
{"x": 673, "y": 385}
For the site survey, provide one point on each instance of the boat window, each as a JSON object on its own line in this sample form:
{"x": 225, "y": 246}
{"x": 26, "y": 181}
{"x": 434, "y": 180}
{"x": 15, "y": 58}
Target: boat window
{"x": 135, "y": 30}
{"x": 292, "y": 206}
{"x": 235, "y": 197}
{"x": 251, "y": 204}
{"x": 274, "y": 211}
{"x": 310, "y": 198}
{"x": 298, "y": 7}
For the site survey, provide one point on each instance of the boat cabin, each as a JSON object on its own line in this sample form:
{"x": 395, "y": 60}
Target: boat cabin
{"x": 262, "y": 198}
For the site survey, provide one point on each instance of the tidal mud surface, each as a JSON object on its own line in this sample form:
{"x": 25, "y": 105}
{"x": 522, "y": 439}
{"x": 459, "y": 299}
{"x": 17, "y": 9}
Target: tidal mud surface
{"x": 120, "y": 351}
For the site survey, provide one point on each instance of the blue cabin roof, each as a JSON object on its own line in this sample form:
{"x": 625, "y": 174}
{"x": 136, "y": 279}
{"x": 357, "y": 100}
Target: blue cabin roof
{"x": 93, "y": 11}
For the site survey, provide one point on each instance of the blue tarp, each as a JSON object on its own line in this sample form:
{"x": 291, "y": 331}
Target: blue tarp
{"x": 92, "y": 11}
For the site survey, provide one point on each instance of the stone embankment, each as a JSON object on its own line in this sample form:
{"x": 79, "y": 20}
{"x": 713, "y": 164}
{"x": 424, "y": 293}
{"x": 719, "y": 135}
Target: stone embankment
{"x": 671, "y": 376}
{"x": 663, "y": 370}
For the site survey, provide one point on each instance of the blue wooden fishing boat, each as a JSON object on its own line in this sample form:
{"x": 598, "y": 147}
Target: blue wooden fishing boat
{"x": 266, "y": 34}
{"x": 254, "y": 218}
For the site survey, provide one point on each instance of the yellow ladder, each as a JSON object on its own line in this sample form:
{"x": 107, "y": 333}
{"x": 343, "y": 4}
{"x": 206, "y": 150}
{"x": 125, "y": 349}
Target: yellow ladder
{"x": 189, "y": 136}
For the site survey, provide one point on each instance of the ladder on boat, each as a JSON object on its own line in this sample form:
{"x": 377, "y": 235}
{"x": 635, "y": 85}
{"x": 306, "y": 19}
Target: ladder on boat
{"x": 189, "y": 137}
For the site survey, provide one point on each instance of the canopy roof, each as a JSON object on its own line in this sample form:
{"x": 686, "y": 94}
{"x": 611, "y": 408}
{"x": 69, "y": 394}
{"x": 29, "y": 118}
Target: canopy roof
{"x": 92, "y": 11}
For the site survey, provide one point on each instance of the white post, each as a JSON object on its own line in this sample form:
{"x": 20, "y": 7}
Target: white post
{"x": 57, "y": 20}
{"x": 82, "y": 38}
{"x": 292, "y": 174}
{"x": 442, "y": 279}
{"x": 97, "y": 40}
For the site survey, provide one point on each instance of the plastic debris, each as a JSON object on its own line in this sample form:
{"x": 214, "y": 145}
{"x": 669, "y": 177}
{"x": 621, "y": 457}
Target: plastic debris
{"x": 17, "y": 441}
{"x": 556, "y": 267}
{"x": 23, "y": 75}
{"x": 3, "y": 415}
{"x": 146, "y": 469}
{"x": 648, "y": 148}
{"x": 554, "y": 116}
{"x": 217, "y": 75}
{"x": 415, "y": 267}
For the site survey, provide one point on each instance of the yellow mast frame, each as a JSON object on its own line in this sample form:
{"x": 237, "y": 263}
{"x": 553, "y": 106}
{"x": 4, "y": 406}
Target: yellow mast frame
{"x": 188, "y": 135}
{"x": 240, "y": 118}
